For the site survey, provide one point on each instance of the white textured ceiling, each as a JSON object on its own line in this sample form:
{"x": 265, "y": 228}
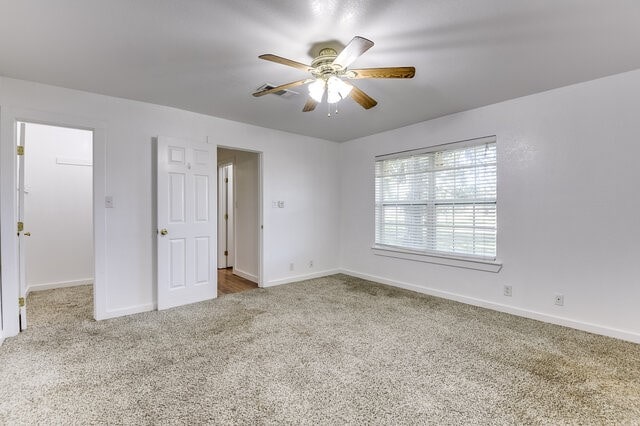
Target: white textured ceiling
{"x": 202, "y": 55}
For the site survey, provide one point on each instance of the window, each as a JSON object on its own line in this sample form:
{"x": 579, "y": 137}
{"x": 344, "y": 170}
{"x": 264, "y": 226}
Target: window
{"x": 438, "y": 201}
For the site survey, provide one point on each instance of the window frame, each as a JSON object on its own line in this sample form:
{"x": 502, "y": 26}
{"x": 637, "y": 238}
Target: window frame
{"x": 485, "y": 263}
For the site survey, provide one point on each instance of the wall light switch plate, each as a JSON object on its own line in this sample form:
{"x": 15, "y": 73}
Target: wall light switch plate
{"x": 108, "y": 202}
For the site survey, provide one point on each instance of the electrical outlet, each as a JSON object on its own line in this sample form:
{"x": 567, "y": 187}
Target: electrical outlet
{"x": 508, "y": 291}
{"x": 291, "y": 266}
{"x": 311, "y": 264}
{"x": 559, "y": 299}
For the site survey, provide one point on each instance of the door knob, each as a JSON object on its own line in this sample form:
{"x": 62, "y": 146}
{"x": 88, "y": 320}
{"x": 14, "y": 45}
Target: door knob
{"x": 164, "y": 231}
{"x": 27, "y": 234}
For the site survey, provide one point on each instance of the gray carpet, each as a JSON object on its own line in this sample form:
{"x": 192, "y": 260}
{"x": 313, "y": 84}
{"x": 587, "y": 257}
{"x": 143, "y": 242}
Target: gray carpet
{"x": 333, "y": 350}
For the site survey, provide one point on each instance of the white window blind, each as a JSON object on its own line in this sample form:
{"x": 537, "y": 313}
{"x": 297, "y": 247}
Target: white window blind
{"x": 440, "y": 201}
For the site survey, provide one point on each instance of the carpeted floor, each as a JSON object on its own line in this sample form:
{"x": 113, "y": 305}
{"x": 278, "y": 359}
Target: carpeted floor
{"x": 333, "y": 350}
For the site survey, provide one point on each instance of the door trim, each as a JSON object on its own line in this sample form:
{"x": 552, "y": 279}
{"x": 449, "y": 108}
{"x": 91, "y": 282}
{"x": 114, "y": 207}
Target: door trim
{"x": 9, "y": 116}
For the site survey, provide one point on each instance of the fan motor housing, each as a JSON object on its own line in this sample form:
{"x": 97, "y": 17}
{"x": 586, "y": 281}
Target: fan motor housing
{"x": 323, "y": 66}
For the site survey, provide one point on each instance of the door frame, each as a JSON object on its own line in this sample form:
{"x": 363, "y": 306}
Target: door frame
{"x": 9, "y": 117}
{"x": 260, "y": 154}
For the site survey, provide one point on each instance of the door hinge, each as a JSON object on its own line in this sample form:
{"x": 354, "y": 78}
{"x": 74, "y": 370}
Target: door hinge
{"x": 226, "y": 216}
{"x": 20, "y": 150}
{"x": 226, "y": 253}
{"x": 21, "y": 302}
{"x": 20, "y": 226}
{"x": 226, "y": 180}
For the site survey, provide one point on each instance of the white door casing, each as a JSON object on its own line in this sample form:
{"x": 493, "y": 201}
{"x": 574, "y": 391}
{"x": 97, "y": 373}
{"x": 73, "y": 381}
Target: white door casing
{"x": 9, "y": 243}
{"x": 186, "y": 222}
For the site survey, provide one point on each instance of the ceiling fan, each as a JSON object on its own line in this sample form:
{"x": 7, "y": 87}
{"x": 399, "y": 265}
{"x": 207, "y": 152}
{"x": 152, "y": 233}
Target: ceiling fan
{"x": 328, "y": 72}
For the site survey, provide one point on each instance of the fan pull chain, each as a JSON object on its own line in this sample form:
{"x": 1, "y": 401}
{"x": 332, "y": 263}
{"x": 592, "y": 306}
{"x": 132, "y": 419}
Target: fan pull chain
{"x": 329, "y": 109}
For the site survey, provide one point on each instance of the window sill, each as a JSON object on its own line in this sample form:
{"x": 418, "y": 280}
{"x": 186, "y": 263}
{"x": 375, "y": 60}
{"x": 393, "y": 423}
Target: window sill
{"x": 457, "y": 262}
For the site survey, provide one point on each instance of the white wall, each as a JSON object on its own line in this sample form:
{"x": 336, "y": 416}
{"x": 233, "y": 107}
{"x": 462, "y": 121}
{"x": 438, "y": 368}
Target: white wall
{"x": 567, "y": 201}
{"x": 246, "y": 166}
{"x": 58, "y": 206}
{"x": 568, "y": 204}
{"x": 294, "y": 167}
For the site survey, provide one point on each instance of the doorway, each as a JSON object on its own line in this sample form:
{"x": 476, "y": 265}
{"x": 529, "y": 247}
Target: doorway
{"x": 55, "y": 221}
{"x": 239, "y": 224}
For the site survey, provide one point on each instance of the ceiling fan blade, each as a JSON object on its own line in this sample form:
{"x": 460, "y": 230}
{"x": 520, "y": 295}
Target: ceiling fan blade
{"x": 352, "y": 51}
{"x": 283, "y": 87}
{"x": 362, "y": 98}
{"x": 394, "y": 72}
{"x": 310, "y": 105}
{"x": 285, "y": 61}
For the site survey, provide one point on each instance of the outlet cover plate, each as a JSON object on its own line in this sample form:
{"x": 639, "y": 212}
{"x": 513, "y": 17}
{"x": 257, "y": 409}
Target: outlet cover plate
{"x": 559, "y": 299}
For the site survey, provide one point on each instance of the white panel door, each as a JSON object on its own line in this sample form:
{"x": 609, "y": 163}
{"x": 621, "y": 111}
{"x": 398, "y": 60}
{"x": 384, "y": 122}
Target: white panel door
{"x": 22, "y": 234}
{"x": 186, "y": 223}
{"x": 231, "y": 210}
{"x": 222, "y": 225}
{"x": 225, "y": 216}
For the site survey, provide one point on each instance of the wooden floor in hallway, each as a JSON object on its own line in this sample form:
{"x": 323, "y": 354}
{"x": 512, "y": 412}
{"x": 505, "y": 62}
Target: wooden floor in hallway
{"x": 229, "y": 283}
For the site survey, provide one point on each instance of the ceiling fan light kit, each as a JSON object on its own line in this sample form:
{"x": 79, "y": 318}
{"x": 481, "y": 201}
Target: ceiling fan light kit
{"x": 316, "y": 90}
{"x": 336, "y": 89}
{"x": 328, "y": 71}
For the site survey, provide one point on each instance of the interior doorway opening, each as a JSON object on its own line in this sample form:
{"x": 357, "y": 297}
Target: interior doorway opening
{"x": 239, "y": 223}
{"x": 55, "y": 220}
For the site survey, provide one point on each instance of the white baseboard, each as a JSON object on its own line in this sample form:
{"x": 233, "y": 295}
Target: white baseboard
{"x": 563, "y": 321}
{"x": 245, "y": 275}
{"x": 300, "y": 278}
{"x": 130, "y": 310}
{"x": 59, "y": 284}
